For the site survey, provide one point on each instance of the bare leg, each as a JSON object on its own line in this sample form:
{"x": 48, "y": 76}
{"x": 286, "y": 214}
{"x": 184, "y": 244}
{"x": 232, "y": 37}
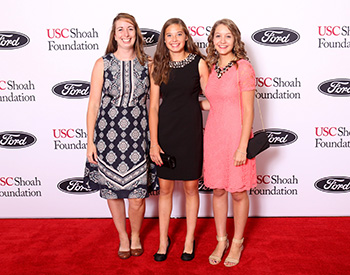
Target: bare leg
{"x": 136, "y": 215}
{"x": 220, "y": 208}
{"x": 192, "y": 206}
{"x": 117, "y": 208}
{"x": 165, "y": 205}
{"x": 240, "y": 214}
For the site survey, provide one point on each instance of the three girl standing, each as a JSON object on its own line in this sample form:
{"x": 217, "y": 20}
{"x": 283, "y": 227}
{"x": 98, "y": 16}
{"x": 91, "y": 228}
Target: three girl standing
{"x": 178, "y": 75}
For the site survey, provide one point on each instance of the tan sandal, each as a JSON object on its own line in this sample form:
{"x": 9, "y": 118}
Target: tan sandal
{"x": 229, "y": 261}
{"x": 214, "y": 260}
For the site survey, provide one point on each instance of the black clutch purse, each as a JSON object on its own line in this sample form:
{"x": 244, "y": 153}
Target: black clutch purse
{"x": 260, "y": 141}
{"x": 168, "y": 161}
{"x": 257, "y": 144}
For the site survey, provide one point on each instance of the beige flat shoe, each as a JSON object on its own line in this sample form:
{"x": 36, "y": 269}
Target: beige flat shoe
{"x": 214, "y": 260}
{"x": 229, "y": 261}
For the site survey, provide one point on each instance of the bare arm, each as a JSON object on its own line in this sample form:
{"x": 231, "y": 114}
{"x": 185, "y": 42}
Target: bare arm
{"x": 93, "y": 107}
{"x": 203, "y": 74}
{"x": 240, "y": 156}
{"x": 153, "y": 121}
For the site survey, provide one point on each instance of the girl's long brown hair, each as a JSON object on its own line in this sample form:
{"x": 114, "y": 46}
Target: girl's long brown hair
{"x": 238, "y": 50}
{"x": 161, "y": 58}
{"x": 139, "y": 42}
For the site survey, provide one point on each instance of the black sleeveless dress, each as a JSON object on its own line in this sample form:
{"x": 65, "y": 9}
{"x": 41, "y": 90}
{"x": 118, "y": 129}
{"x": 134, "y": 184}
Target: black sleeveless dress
{"x": 180, "y": 128}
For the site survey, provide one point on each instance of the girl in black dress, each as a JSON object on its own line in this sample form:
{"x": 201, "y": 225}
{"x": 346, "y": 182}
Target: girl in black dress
{"x": 178, "y": 75}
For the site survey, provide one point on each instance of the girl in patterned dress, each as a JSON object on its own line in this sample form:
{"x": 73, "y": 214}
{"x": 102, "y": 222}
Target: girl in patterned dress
{"x": 117, "y": 128}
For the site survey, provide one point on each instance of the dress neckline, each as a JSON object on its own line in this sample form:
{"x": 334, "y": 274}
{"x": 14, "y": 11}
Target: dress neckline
{"x": 123, "y": 60}
{"x": 182, "y": 63}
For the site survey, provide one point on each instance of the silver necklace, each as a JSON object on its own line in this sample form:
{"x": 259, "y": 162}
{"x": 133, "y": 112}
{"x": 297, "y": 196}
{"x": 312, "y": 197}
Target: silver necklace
{"x": 182, "y": 63}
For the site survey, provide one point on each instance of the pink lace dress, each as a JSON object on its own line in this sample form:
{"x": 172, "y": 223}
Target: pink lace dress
{"x": 223, "y": 130}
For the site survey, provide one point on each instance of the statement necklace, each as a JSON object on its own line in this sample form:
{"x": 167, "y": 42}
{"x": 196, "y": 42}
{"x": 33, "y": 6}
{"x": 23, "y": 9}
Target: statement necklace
{"x": 182, "y": 63}
{"x": 219, "y": 71}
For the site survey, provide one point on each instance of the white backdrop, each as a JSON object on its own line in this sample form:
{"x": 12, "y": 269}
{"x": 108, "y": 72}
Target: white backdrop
{"x": 43, "y": 135}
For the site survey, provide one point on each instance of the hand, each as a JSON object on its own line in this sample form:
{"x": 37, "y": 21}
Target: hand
{"x": 240, "y": 157}
{"x": 205, "y": 105}
{"x": 91, "y": 153}
{"x": 155, "y": 151}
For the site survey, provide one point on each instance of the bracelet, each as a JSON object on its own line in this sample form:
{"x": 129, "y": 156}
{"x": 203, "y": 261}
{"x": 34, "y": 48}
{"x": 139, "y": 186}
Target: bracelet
{"x": 153, "y": 146}
{"x": 241, "y": 152}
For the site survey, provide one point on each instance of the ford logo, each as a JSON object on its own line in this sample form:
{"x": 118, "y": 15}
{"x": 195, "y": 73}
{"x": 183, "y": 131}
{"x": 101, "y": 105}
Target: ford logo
{"x": 72, "y": 89}
{"x": 275, "y": 37}
{"x": 279, "y": 137}
{"x": 333, "y": 184}
{"x": 12, "y": 40}
{"x": 75, "y": 186}
{"x": 150, "y": 37}
{"x": 202, "y": 188}
{"x": 335, "y": 87}
{"x": 16, "y": 140}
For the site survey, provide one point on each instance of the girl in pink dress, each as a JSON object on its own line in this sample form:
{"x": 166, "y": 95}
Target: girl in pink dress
{"x": 230, "y": 93}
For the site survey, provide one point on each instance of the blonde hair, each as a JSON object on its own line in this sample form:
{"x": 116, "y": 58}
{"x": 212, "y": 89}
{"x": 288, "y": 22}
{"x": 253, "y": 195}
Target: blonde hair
{"x": 238, "y": 50}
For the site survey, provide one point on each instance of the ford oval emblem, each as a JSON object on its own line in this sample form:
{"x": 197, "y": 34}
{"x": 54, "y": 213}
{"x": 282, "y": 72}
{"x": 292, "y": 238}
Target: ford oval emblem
{"x": 280, "y": 137}
{"x": 334, "y": 184}
{"x": 150, "y": 37}
{"x": 335, "y": 87}
{"x": 202, "y": 188}
{"x": 75, "y": 186}
{"x": 16, "y": 139}
{"x": 275, "y": 37}
{"x": 72, "y": 89}
{"x": 12, "y": 40}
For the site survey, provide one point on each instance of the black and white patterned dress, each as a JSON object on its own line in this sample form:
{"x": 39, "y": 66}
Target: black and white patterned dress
{"x": 121, "y": 133}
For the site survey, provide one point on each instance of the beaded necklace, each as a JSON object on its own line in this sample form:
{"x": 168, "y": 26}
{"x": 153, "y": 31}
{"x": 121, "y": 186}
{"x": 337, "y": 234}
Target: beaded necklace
{"x": 220, "y": 71}
{"x": 182, "y": 63}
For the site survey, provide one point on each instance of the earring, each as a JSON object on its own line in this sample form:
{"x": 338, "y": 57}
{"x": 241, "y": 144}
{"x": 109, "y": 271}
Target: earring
{"x": 215, "y": 52}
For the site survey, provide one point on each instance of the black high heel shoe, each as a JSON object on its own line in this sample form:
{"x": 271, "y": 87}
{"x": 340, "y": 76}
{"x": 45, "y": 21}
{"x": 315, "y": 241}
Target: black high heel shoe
{"x": 188, "y": 256}
{"x": 162, "y": 257}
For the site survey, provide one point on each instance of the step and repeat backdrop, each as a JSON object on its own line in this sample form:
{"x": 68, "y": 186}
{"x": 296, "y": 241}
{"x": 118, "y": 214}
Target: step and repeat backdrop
{"x": 300, "y": 51}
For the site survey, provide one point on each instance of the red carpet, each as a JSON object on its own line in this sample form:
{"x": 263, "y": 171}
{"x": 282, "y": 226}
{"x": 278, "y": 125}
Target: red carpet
{"x": 89, "y": 246}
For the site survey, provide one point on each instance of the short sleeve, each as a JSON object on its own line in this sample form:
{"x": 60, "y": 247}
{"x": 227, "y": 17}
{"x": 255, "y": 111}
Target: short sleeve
{"x": 246, "y": 76}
